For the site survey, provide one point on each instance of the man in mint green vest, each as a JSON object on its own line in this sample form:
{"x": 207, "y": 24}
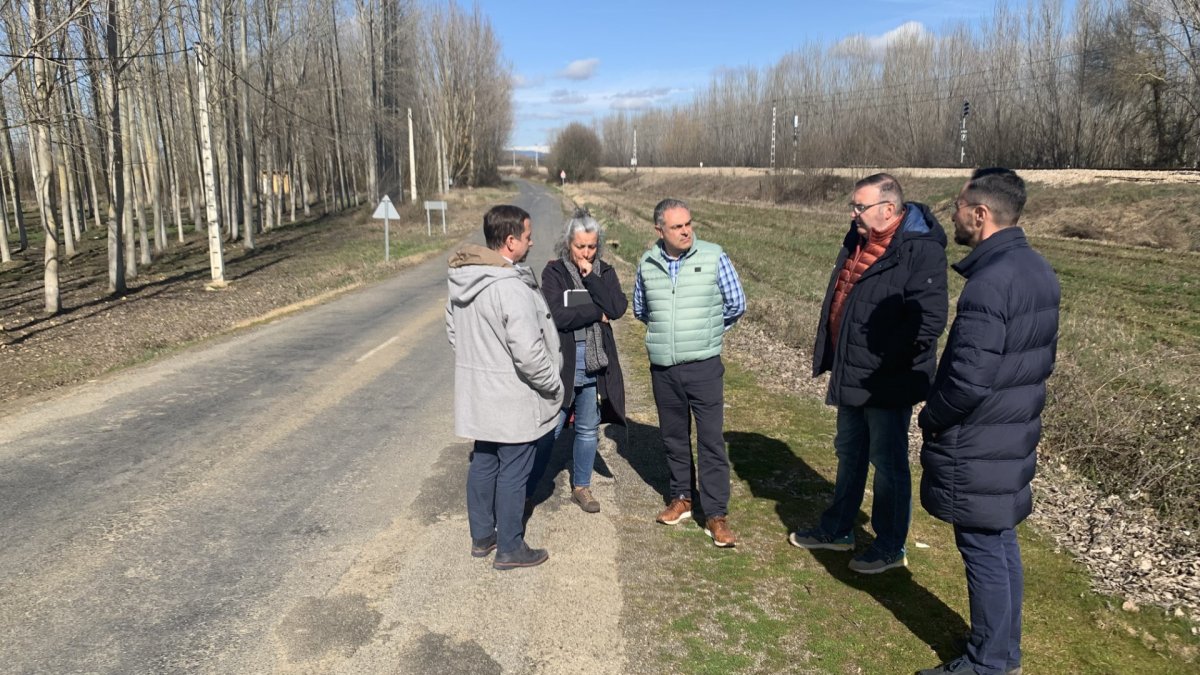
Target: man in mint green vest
{"x": 688, "y": 294}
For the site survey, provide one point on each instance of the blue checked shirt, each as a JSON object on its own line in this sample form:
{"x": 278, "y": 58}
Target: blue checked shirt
{"x": 732, "y": 295}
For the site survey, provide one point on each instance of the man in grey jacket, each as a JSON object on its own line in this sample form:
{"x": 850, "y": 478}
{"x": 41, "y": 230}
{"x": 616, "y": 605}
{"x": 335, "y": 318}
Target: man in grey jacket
{"x": 507, "y": 389}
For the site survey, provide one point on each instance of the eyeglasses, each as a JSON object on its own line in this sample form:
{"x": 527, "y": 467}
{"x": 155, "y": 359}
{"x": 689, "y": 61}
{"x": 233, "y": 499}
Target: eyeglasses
{"x": 958, "y": 204}
{"x": 858, "y": 209}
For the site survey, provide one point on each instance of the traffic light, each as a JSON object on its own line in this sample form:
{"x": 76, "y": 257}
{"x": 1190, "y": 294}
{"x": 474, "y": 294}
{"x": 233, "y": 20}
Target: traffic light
{"x": 966, "y": 108}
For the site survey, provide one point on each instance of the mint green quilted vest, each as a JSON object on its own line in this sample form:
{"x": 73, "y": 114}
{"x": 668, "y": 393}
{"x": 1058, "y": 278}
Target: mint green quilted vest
{"x": 686, "y": 321}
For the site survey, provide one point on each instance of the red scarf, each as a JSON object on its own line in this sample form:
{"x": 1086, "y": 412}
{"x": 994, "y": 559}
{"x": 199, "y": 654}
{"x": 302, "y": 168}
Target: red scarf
{"x": 864, "y": 255}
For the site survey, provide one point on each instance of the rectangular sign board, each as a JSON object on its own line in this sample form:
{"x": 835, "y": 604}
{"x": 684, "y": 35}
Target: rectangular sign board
{"x": 435, "y": 206}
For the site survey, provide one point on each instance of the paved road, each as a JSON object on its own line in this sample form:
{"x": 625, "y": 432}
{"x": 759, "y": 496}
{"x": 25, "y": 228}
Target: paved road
{"x": 286, "y": 500}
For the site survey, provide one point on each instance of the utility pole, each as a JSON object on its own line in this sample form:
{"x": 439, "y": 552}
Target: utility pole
{"x": 412, "y": 161}
{"x": 962, "y": 133}
{"x": 216, "y": 260}
{"x": 795, "y": 137}
{"x": 445, "y": 165}
{"x": 437, "y": 148}
{"x": 634, "y": 160}
{"x": 772, "y": 139}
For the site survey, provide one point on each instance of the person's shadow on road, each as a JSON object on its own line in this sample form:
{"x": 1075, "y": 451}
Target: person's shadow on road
{"x": 800, "y": 494}
{"x": 560, "y": 457}
{"x": 640, "y": 446}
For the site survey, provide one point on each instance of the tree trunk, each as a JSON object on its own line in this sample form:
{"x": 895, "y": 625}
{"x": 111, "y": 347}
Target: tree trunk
{"x": 151, "y": 175}
{"x": 5, "y": 253}
{"x": 39, "y": 129}
{"x": 216, "y": 255}
{"x": 89, "y": 164}
{"x": 169, "y": 139}
{"x": 304, "y": 197}
{"x": 131, "y": 205}
{"x": 10, "y": 175}
{"x": 116, "y": 171}
{"x": 66, "y": 206}
{"x": 248, "y": 193}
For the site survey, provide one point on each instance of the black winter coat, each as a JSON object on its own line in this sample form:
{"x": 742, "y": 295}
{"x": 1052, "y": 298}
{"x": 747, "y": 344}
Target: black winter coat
{"x": 983, "y": 419}
{"x": 607, "y": 299}
{"x": 891, "y": 321}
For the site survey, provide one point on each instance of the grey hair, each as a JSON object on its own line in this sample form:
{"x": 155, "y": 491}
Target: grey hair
{"x": 666, "y": 205}
{"x": 581, "y": 221}
{"x": 889, "y": 187}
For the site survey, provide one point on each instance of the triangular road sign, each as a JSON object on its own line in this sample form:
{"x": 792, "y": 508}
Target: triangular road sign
{"x": 385, "y": 210}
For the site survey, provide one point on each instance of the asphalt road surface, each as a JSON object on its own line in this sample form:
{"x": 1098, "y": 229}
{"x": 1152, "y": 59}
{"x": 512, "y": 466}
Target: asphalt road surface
{"x": 290, "y": 499}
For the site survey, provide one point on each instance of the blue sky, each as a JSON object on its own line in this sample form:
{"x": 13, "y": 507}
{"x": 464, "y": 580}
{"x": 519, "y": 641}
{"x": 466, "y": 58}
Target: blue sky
{"x": 575, "y": 61}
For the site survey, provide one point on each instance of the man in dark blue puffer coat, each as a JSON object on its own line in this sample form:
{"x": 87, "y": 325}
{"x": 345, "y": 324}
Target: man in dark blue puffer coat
{"x": 982, "y": 421}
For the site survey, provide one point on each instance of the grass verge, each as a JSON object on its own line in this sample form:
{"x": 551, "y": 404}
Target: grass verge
{"x": 767, "y": 607}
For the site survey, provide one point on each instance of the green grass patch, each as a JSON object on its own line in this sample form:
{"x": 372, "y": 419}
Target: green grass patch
{"x": 767, "y": 607}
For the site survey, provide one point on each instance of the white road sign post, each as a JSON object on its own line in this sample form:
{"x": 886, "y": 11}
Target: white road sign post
{"x": 434, "y": 206}
{"x": 386, "y": 211}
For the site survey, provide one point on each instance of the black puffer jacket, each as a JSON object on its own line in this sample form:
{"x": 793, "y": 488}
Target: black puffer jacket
{"x": 983, "y": 419}
{"x": 887, "y": 349}
{"x": 607, "y": 299}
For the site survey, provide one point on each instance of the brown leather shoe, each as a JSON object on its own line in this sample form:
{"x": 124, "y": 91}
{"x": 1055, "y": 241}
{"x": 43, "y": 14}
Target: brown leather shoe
{"x": 719, "y": 531}
{"x": 583, "y": 497}
{"x": 676, "y": 511}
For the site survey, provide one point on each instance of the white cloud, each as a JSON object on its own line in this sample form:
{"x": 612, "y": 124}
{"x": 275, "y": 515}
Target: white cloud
{"x": 522, "y": 82}
{"x": 580, "y": 70}
{"x": 875, "y": 45}
{"x": 567, "y": 97}
{"x": 632, "y": 103}
{"x": 640, "y": 99}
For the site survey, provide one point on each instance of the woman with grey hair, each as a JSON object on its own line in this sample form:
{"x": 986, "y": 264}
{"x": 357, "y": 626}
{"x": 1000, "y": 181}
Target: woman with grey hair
{"x": 584, "y": 296}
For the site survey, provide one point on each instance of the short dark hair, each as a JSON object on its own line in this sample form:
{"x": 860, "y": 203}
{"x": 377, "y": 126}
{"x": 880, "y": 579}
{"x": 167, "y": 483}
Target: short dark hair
{"x": 666, "y": 205}
{"x": 889, "y": 187}
{"x": 502, "y": 222}
{"x": 1001, "y": 190}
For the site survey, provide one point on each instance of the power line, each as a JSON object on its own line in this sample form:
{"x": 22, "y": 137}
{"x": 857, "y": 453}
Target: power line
{"x": 66, "y": 59}
{"x": 1010, "y": 84}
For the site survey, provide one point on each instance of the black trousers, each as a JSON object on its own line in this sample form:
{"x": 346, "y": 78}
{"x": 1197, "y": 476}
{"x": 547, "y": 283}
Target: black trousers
{"x": 681, "y": 392}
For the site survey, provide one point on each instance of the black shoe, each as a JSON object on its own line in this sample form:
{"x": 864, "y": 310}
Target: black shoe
{"x": 480, "y": 548}
{"x": 522, "y": 557}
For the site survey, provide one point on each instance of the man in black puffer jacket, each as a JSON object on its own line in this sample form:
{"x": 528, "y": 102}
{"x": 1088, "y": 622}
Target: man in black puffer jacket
{"x": 884, "y": 309}
{"x": 983, "y": 419}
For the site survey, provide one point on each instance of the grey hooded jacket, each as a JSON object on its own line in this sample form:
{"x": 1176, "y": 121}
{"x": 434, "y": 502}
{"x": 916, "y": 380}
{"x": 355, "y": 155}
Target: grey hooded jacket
{"x": 507, "y": 387}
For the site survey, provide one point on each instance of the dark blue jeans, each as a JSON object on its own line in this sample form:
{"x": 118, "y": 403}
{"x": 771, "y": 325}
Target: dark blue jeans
{"x": 877, "y": 437}
{"x": 996, "y": 589}
{"x": 496, "y": 492}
